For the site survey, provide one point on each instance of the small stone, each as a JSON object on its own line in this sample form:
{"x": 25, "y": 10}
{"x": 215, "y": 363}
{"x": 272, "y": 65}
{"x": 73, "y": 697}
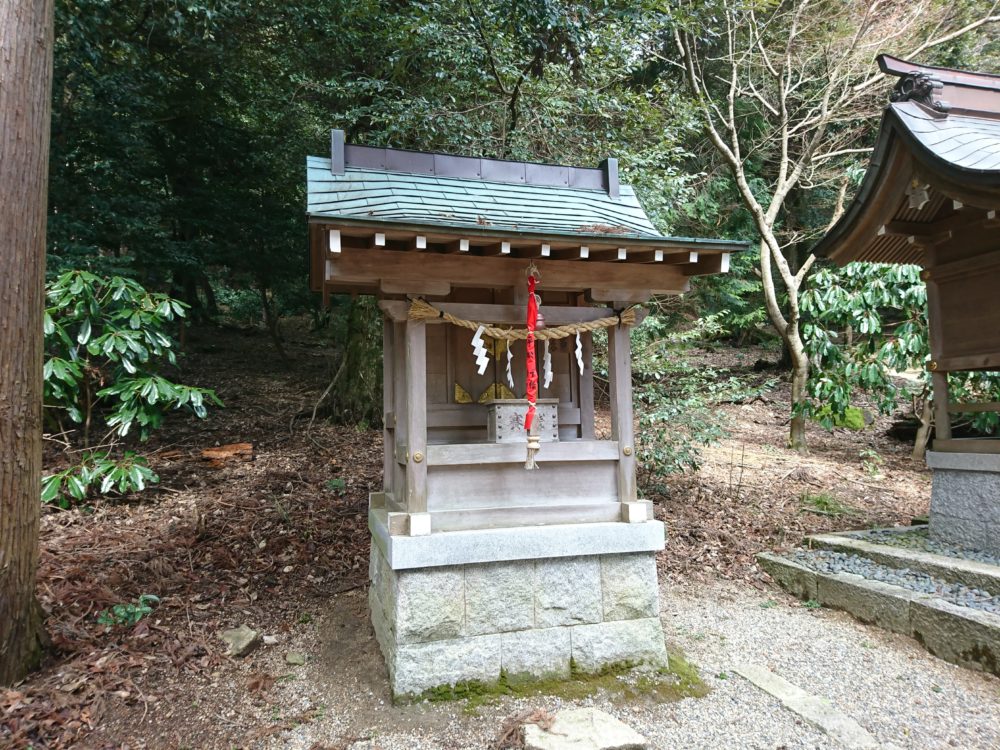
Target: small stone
{"x": 295, "y": 659}
{"x": 583, "y": 729}
{"x": 270, "y": 640}
{"x": 241, "y": 640}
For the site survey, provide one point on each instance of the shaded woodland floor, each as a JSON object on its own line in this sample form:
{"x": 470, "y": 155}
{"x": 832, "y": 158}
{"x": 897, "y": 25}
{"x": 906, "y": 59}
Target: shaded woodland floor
{"x": 268, "y": 542}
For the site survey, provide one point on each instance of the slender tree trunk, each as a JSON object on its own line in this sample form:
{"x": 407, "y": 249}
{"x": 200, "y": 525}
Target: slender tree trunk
{"x": 25, "y": 107}
{"x": 926, "y": 418}
{"x": 271, "y": 319}
{"x": 800, "y": 377}
{"x": 788, "y": 328}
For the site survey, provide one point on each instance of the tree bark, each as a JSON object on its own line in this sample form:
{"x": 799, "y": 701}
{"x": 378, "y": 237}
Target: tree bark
{"x": 926, "y": 418}
{"x": 788, "y": 328}
{"x": 25, "y": 107}
{"x": 269, "y": 308}
{"x": 800, "y": 379}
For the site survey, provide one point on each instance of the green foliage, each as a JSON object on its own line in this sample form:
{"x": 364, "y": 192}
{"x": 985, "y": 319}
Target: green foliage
{"x": 355, "y": 391}
{"x": 97, "y": 473}
{"x": 871, "y": 462}
{"x": 853, "y": 418}
{"x": 866, "y": 323}
{"x": 180, "y": 128}
{"x": 972, "y": 387}
{"x": 714, "y": 209}
{"x": 104, "y": 341}
{"x": 106, "y": 344}
{"x": 824, "y": 504}
{"x": 678, "y": 399}
{"x": 337, "y": 485}
{"x": 863, "y": 322}
{"x": 128, "y": 614}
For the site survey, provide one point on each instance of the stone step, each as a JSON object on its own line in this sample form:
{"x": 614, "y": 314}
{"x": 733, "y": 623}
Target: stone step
{"x": 971, "y": 573}
{"x": 961, "y": 635}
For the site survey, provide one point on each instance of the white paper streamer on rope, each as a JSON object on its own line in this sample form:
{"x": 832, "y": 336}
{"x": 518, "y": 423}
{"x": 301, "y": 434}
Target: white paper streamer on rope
{"x": 479, "y": 349}
{"x": 579, "y": 353}
{"x": 510, "y": 359}
{"x": 547, "y": 366}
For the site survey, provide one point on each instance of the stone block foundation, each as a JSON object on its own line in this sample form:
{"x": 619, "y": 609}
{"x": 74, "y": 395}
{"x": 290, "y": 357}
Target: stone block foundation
{"x": 965, "y": 500}
{"x": 528, "y": 618}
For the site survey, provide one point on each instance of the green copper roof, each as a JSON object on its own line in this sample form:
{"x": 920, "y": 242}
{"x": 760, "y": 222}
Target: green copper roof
{"x": 430, "y": 200}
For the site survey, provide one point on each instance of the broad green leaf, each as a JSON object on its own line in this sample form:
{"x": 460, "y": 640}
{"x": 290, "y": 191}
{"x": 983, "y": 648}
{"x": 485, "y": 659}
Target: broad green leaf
{"x": 51, "y": 485}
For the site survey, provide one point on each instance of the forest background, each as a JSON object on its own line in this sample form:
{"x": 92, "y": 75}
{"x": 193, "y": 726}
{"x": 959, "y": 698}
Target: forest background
{"x": 179, "y": 132}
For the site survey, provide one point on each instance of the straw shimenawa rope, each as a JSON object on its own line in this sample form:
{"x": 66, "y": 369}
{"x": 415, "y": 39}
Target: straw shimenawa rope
{"x": 423, "y": 310}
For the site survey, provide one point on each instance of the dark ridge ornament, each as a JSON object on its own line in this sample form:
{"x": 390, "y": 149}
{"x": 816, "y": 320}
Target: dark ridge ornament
{"x": 917, "y": 87}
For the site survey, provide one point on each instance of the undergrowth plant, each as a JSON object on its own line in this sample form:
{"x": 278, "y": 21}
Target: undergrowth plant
{"x": 677, "y": 399}
{"x": 866, "y": 324}
{"x": 128, "y": 613}
{"x": 107, "y": 344}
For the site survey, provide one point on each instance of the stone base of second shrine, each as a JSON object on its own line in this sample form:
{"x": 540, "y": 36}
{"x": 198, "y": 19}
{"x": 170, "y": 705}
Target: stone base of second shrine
{"x": 965, "y": 499}
{"x": 527, "y": 618}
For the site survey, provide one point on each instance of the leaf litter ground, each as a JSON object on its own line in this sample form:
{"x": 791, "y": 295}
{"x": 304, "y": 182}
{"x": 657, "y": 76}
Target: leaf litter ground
{"x": 280, "y": 543}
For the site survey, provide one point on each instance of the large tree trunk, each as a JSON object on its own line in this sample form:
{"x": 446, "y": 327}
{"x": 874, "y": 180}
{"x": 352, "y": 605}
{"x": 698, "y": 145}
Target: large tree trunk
{"x": 25, "y": 89}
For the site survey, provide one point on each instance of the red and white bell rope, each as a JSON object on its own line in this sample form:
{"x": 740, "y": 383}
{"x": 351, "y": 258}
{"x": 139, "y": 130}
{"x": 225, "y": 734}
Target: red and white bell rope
{"x": 531, "y": 366}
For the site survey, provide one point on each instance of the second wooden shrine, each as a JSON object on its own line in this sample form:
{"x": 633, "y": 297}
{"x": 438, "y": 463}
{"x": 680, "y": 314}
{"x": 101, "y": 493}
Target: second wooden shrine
{"x": 931, "y": 197}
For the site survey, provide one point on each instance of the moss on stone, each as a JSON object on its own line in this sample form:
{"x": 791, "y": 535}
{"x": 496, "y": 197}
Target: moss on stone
{"x": 475, "y": 693}
{"x": 853, "y": 418}
{"x": 622, "y": 682}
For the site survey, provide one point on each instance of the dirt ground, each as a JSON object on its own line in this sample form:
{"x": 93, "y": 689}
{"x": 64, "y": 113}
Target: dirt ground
{"x": 279, "y": 542}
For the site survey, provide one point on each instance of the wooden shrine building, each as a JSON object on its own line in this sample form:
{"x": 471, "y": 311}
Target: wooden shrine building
{"x": 478, "y": 565}
{"x": 931, "y": 197}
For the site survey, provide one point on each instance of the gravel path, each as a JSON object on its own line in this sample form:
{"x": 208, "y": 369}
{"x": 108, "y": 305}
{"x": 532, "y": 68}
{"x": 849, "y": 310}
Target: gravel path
{"x": 901, "y": 694}
{"x": 918, "y": 539}
{"x": 825, "y": 561}
{"x": 893, "y": 688}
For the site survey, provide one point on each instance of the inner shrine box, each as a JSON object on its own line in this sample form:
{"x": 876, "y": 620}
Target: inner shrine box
{"x": 931, "y": 197}
{"x": 505, "y": 420}
{"x": 478, "y": 564}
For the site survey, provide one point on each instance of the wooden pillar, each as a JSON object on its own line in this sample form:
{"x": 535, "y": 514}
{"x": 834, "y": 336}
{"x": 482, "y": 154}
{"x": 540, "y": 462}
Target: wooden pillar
{"x": 388, "y": 406}
{"x": 586, "y": 401}
{"x": 942, "y": 419}
{"x": 416, "y": 416}
{"x": 620, "y": 393}
{"x": 939, "y": 379}
{"x": 398, "y": 446}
